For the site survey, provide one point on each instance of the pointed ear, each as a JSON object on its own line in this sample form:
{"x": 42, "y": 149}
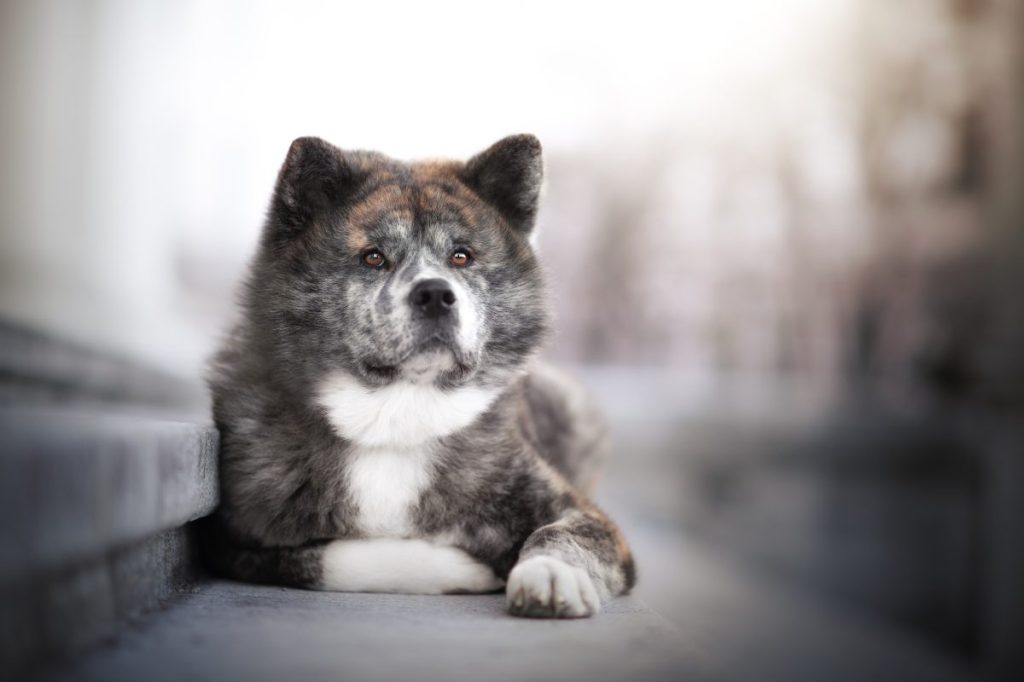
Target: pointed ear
{"x": 508, "y": 176}
{"x": 315, "y": 176}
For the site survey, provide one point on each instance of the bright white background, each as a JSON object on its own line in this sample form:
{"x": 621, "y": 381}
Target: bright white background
{"x": 141, "y": 140}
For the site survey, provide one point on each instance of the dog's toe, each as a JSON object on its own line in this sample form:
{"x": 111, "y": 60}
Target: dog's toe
{"x": 546, "y": 587}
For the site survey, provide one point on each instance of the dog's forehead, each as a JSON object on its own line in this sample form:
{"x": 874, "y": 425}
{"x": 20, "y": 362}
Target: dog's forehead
{"x": 407, "y": 201}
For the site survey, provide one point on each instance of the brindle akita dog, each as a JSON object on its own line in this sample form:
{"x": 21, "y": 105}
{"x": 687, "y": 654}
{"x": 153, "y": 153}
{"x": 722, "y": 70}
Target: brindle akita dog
{"x": 385, "y": 423}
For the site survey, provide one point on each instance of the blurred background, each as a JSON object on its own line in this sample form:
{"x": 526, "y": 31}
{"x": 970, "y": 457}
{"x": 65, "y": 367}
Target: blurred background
{"x": 784, "y": 239}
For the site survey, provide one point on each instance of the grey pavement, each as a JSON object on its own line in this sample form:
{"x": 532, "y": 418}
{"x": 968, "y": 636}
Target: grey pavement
{"x": 695, "y": 616}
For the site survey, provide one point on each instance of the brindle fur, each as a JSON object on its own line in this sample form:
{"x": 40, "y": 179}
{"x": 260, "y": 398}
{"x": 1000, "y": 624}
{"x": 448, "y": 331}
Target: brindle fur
{"x": 509, "y": 486}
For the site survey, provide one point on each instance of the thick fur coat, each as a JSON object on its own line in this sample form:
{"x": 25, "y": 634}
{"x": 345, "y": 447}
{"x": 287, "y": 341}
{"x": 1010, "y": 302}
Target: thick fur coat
{"x": 385, "y": 423}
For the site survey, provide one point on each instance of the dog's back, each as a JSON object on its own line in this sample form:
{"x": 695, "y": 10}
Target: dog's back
{"x": 562, "y": 422}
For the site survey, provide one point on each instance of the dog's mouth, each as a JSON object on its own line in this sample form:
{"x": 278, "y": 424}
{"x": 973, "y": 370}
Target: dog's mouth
{"x": 430, "y": 361}
{"x": 380, "y": 374}
{"x": 436, "y": 357}
{"x": 434, "y": 343}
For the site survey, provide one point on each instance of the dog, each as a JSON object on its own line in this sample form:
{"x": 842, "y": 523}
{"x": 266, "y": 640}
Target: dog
{"x": 386, "y": 425}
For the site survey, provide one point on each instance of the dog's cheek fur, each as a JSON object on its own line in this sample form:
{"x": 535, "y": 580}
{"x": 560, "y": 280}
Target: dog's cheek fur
{"x": 518, "y": 318}
{"x": 308, "y": 301}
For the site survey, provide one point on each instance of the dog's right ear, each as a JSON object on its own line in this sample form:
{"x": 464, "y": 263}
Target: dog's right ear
{"x": 315, "y": 176}
{"x": 508, "y": 174}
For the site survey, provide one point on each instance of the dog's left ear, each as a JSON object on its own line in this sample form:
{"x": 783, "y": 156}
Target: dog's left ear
{"x": 508, "y": 175}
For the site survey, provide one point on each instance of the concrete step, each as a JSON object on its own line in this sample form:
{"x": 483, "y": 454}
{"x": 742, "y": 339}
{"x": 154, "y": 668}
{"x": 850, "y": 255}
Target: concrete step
{"x": 94, "y": 506}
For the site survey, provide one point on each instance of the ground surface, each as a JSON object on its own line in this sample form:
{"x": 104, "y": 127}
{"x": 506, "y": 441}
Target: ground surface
{"x": 694, "y": 617}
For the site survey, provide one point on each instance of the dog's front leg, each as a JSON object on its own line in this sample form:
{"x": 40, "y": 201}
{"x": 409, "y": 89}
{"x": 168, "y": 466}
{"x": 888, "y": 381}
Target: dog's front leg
{"x": 411, "y": 566}
{"x": 566, "y": 569}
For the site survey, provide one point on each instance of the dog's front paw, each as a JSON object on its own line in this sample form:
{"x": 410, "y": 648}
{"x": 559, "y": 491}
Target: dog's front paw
{"x": 546, "y": 587}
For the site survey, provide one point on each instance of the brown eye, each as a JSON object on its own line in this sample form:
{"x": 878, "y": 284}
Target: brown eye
{"x": 460, "y": 258}
{"x": 375, "y": 259}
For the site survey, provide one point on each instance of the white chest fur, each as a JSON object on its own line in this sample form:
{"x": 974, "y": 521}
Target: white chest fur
{"x": 402, "y": 415}
{"x": 385, "y": 485}
{"x": 394, "y": 430}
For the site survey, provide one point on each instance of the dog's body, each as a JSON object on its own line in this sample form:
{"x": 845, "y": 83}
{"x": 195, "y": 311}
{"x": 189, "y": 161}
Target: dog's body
{"x": 385, "y": 424}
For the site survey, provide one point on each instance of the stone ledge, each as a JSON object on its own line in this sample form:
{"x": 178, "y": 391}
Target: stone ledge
{"x": 57, "y": 616}
{"x": 75, "y": 485}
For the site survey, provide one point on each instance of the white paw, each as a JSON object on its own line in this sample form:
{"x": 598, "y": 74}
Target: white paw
{"x": 546, "y": 587}
{"x": 411, "y": 566}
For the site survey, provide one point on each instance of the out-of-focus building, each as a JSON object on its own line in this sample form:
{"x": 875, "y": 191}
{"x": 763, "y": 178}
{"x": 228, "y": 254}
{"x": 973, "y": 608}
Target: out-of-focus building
{"x": 853, "y": 239}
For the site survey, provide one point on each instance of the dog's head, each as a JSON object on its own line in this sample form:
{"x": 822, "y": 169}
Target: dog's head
{"x": 395, "y": 271}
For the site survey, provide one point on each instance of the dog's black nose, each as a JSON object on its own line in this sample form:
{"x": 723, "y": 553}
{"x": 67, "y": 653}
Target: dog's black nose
{"x": 432, "y": 298}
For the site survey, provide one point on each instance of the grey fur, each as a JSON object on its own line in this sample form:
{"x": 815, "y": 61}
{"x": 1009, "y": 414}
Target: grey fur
{"x": 508, "y": 486}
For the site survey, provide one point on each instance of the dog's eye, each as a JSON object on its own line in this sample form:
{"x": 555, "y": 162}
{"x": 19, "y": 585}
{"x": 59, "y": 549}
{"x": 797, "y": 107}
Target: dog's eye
{"x": 374, "y": 259}
{"x": 460, "y": 258}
